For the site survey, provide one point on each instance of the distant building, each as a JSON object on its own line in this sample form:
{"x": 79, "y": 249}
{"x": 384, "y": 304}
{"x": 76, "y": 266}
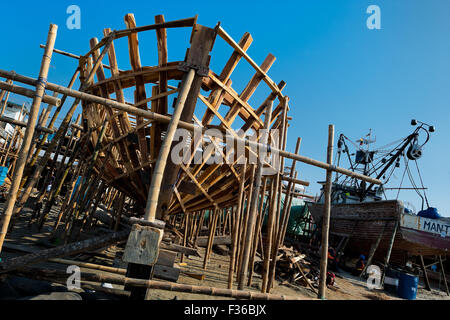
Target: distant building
{"x": 12, "y": 110}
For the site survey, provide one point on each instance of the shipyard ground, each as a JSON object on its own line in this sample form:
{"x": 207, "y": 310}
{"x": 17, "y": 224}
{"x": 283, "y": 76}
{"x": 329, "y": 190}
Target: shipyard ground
{"x": 24, "y": 238}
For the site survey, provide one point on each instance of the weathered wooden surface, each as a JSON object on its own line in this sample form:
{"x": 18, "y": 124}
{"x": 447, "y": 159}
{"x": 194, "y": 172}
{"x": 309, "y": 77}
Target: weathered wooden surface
{"x": 143, "y": 245}
{"x": 69, "y": 249}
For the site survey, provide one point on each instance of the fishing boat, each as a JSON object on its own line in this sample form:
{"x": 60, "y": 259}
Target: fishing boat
{"x": 367, "y": 218}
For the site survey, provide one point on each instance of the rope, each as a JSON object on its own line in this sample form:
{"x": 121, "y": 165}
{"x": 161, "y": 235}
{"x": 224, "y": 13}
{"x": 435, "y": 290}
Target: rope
{"x": 421, "y": 181}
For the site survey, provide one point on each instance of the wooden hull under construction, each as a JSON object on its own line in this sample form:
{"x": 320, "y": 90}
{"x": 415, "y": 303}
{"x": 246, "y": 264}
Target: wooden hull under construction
{"x": 131, "y": 143}
{"x": 365, "y": 222}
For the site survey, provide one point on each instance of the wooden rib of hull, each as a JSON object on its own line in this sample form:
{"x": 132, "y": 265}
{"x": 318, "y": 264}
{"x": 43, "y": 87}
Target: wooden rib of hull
{"x": 136, "y": 144}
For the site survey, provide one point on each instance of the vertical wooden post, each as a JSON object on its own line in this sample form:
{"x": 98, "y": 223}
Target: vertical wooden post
{"x": 199, "y": 227}
{"x": 425, "y": 275}
{"x": 185, "y": 236}
{"x": 34, "y": 111}
{"x": 254, "y": 199}
{"x": 244, "y": 224}
{"x": 235, "y": 231}
{"x": 269, "y": 233}
{"x": 212, "y": 229}
{"x": 443, "y": 275}
{"x": 257, "y": 234}
{"x": 326, "y": 217}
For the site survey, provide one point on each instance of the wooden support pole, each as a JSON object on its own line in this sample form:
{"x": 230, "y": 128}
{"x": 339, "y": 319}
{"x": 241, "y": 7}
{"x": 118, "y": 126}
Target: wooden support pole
{"x": 326, "y": 218}
{"x": 60, "y": 133}
{"x": 28, "y": 93}
{"x": 254, "y": 201}
{"x": 257, "y": 233}
{"x": 373, "y": 249}
{"x": 244, "y": 224}
{"x": 24, "y": 124}
{"x": 152, "y": 284}
{"x": 157, "y": 176}
{"x": 388, "y": 254}
{"x": 53, "y": 120}
{"x": 443, "y": 275}
{"x": 214, "y": 217}
{"x": 425, "y": 275}
{"x": 235, "y": 230}
{"x": 185, "y": 235}
{"x": 284, "y": 220}
{"x": 34, "y": 111}
{"x": 269, "y": 233}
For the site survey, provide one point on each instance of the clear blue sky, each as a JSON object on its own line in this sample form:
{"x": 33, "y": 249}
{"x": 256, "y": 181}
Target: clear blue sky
{"x": 337, "y": 71}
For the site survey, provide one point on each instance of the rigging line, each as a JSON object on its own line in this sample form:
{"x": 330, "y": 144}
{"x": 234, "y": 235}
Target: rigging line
{"x": 401, "y": 182}
{"x": 389, "y": 177}
{"x": 390, "y": 144}
{"x": 411, "y": 179}
{"x": 421, "y": 182}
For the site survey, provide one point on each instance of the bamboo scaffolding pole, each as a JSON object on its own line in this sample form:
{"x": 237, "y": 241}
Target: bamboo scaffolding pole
{"x": 326, "y": 218}
{"x": 86, "y": 184}
{"x": 244, "y": 225}
{"x": 88, "y": 218}
{"x": 24, "y": 124}
{"x": 269, "y": 234}
{"x": 54, "y": 117}
{"x": 28, "y": 93}
{"x": 257, "y": 233}
{"x": 80, "y": 146}
{"x": 284, "y": 219}
{"x": 199, "y": 228}
{"x": 34, "y": 111}
{"x": 158, "y": 172}
{"x": 153, "y": 284}
{"x": 212, "y": 232}
{"x": 254, "y": 202}
{"x": 59, "y": 133}
{"x": 66, "y": 199}
{"x": 185, "y": 235}
{"x": 235, "y": 230}
{"x": 274, "y": 248}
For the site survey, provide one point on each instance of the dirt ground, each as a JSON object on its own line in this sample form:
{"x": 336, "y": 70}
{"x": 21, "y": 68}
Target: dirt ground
{"x": 347, "y": 287}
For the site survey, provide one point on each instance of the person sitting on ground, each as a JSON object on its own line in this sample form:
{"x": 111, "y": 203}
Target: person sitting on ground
{"x": 332, "y": 259}
{"x": 330, "y": 278}
{"x": 359, "y": 266}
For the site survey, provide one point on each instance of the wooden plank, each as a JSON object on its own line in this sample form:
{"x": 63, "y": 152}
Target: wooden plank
{"x": 140, "y": 94}
{"x": 166, "y": 273}
{"x": 160, "y": 106}
{"x": 272, "y": 85}
{"x": 166, "y": 258}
